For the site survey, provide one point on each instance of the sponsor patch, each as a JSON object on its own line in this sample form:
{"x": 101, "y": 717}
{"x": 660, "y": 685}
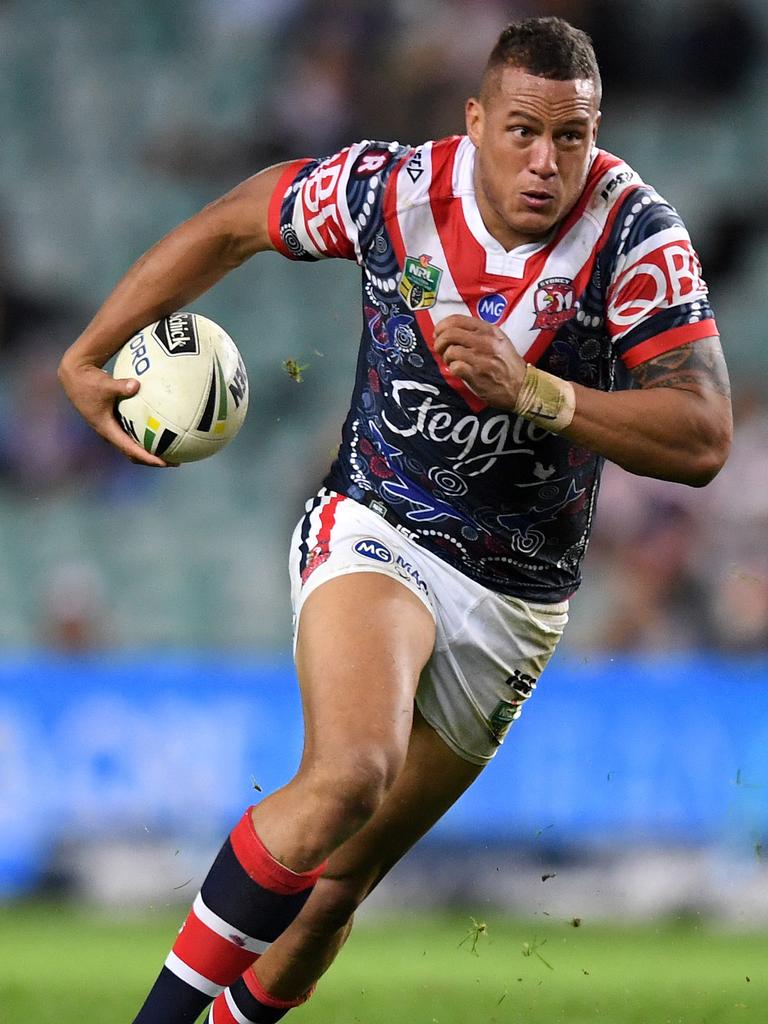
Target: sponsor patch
{"x": 522, "y": 684}
{"x": 668, "y": 276}
{"x": 373, "y": 549}
{"x": 618, "y": 179}
{"x": 491, "y": 308}
{"x": 409, "y": 571}
{"x": 415, "y": 168}
{"x": 178, "y": 335}
{"x": 553, "y": 303}
{"x": 371, "y": 162}
{"x": 419, "y": 282}
{"x": 504, "y": 714}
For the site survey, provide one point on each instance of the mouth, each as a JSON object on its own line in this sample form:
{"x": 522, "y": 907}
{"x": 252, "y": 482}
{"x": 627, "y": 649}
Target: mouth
{"x": 537, "y": 199}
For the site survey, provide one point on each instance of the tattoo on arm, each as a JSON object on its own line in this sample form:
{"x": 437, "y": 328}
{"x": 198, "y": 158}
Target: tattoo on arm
{"x": 698, "y": 366}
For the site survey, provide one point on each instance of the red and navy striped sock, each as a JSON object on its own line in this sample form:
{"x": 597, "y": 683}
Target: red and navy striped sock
{"x": 246, "y": 1002}
{"x": 245, "y": 902}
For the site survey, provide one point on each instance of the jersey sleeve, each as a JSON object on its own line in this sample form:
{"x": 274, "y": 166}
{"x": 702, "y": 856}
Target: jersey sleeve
{"x": 656, "y": 298}
{"x": 325, "y": 208}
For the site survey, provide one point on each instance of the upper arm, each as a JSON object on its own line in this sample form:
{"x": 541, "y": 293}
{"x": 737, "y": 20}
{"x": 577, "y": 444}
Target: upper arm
{"x": 698, "y": 369}
{"x": 698, "y": 366}
{"x": 243, "y": 213}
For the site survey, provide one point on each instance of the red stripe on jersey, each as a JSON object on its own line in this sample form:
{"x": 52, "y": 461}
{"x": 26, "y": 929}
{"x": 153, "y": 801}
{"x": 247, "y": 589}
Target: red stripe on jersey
{"x": 675, "y": 337}
{"x": 467, "y": 256}
{"x": 276, "y": 202}
{"x": 603, "y": 162}
{"x": 259, "y": 993}
{"x": 252, "y": 854}
{"x": 544, "y": 338}
{"x": 205, "y": 951}
{"x": 423, "y": 318}
{"x": 469, "y": 271}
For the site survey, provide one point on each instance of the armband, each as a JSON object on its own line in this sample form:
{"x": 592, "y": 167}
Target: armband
{"x": 546, "y": 400}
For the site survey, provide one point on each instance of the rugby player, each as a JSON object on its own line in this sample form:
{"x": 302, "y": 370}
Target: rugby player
{"x": 531, "y": 307}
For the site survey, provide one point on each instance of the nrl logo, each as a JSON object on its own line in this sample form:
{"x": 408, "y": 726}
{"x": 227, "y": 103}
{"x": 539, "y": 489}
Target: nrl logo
{"x": 419, "y": 282}
{"x": 553, "y": 303}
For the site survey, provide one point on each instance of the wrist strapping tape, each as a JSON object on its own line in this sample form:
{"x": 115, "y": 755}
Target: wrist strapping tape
{"x": 546, "y": 400}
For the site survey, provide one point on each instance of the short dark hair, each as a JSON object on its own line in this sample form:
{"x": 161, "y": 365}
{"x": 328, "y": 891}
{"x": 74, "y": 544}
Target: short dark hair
{"x": 547, "y": 47}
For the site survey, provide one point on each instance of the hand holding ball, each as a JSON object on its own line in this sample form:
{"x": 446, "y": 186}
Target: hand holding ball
{"x": 194, "y": 388}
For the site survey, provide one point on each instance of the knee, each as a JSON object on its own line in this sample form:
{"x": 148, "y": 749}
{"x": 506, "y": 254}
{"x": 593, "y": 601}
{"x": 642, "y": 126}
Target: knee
{"x": 350, "y": 789}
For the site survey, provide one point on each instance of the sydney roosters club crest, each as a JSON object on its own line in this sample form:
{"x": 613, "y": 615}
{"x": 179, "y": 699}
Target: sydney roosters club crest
{"x": 553, "y": 302}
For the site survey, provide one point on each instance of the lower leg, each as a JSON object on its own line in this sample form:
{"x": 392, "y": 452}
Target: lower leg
{"x": 353, "y": 751}
{"x": 432, "y": 779}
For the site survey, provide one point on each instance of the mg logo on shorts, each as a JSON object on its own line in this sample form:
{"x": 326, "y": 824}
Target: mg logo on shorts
{"x": 373, "y": 549}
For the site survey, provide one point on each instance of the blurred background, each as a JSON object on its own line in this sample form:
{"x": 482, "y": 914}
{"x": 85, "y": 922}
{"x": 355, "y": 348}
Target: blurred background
{"x": 146, "y": 690}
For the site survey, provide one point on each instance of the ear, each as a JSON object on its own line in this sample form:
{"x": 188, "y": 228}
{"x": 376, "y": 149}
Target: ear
{"x": 596, "y": 127}
{"x": 475, "y": 119}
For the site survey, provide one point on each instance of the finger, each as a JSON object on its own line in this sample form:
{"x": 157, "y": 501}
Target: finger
{"x": 456, "y": 351}
{"x": 461, "y": 369}
{"x": 455, "y": 336}
{"x": 458, "y": 320}
{"x": 126, "y": 445}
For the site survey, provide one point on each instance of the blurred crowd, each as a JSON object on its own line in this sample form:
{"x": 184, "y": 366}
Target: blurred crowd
{"x": 669, "y": 567}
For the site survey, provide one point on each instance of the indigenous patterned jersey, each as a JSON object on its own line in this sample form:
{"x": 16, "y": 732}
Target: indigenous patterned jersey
{"x": 617, "y": 282}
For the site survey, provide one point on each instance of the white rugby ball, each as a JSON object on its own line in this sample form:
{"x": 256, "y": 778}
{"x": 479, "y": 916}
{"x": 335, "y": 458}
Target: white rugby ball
{"x": 194, "y": 388}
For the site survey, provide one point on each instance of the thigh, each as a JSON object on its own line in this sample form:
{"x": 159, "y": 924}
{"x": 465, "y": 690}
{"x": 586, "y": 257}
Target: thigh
{"x": 363, "y": 639}
{"x": 364, "y": 628}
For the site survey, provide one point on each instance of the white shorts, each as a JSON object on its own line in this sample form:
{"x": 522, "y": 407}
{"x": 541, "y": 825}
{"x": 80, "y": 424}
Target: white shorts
{"x": 489, "y": 650}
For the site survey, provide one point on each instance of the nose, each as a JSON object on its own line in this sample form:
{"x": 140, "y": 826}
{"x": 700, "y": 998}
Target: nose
{"x": 543, "y": 157}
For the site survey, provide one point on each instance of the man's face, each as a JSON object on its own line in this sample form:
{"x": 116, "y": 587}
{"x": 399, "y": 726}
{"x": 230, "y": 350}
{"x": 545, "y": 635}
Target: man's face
{"x": 534, "y": 139}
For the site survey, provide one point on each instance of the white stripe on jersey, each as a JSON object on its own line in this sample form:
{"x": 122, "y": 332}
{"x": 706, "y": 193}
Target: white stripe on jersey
{"x": 314, "y": 206}
{"x": 420, "y": 235}
{"x": 226, "y": 931}
{"x": 677, "y": 233}
{"x": 498, "y": 260}
{"x": 341, "y": 198}
{"x": 191, "y": 977}
{"x": 568, "y": 257}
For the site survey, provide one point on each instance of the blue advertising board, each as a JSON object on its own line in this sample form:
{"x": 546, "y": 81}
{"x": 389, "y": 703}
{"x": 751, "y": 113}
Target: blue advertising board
{"x": 610, "y": 750}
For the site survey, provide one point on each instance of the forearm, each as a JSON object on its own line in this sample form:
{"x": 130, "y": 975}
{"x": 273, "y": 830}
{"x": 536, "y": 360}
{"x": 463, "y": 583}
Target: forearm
{"x": 180, "y": 267}
{"x": 663, "y": 432}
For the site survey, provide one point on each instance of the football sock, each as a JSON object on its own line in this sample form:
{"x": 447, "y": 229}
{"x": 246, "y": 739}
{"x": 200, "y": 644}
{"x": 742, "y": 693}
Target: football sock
{"x": 246, "y": 1002}
{"x": 247, "y": 899}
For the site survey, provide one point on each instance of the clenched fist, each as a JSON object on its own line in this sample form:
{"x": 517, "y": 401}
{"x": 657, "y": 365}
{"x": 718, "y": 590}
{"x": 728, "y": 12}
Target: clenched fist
{"x": 483, "y": 357}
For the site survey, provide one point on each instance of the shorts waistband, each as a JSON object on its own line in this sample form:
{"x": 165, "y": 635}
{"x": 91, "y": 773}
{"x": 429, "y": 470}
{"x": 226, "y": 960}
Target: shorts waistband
{"x": 381, "y": 509}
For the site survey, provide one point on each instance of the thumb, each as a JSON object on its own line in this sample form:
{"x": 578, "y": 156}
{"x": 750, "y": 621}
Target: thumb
{"x": 126, "y": 387}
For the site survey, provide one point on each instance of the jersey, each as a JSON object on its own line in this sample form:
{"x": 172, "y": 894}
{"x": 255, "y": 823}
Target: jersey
{"x": 616, "y": 283}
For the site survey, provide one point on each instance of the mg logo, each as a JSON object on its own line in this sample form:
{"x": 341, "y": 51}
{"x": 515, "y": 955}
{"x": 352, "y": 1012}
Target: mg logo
{"x": 374, "y": 549}
{"x": 491, "y": 308}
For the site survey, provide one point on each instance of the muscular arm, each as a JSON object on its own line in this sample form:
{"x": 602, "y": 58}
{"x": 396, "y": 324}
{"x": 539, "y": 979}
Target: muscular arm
{"x": 675, "y": 424}
{"x": 180, "y": 267}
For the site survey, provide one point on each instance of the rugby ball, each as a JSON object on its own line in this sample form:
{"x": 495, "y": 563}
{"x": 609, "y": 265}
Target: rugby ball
{"x": 194, "y": 388}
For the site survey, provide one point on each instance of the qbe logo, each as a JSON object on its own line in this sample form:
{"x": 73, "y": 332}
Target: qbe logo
{"x": 373, "y": 549}
{"x": 491, "y": 308}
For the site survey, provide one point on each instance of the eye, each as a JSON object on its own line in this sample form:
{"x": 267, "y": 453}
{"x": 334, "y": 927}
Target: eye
{"x": 520, "y": 131}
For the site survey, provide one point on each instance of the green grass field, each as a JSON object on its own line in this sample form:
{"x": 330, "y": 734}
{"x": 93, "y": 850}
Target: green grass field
{"x": 62, "y": 965}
